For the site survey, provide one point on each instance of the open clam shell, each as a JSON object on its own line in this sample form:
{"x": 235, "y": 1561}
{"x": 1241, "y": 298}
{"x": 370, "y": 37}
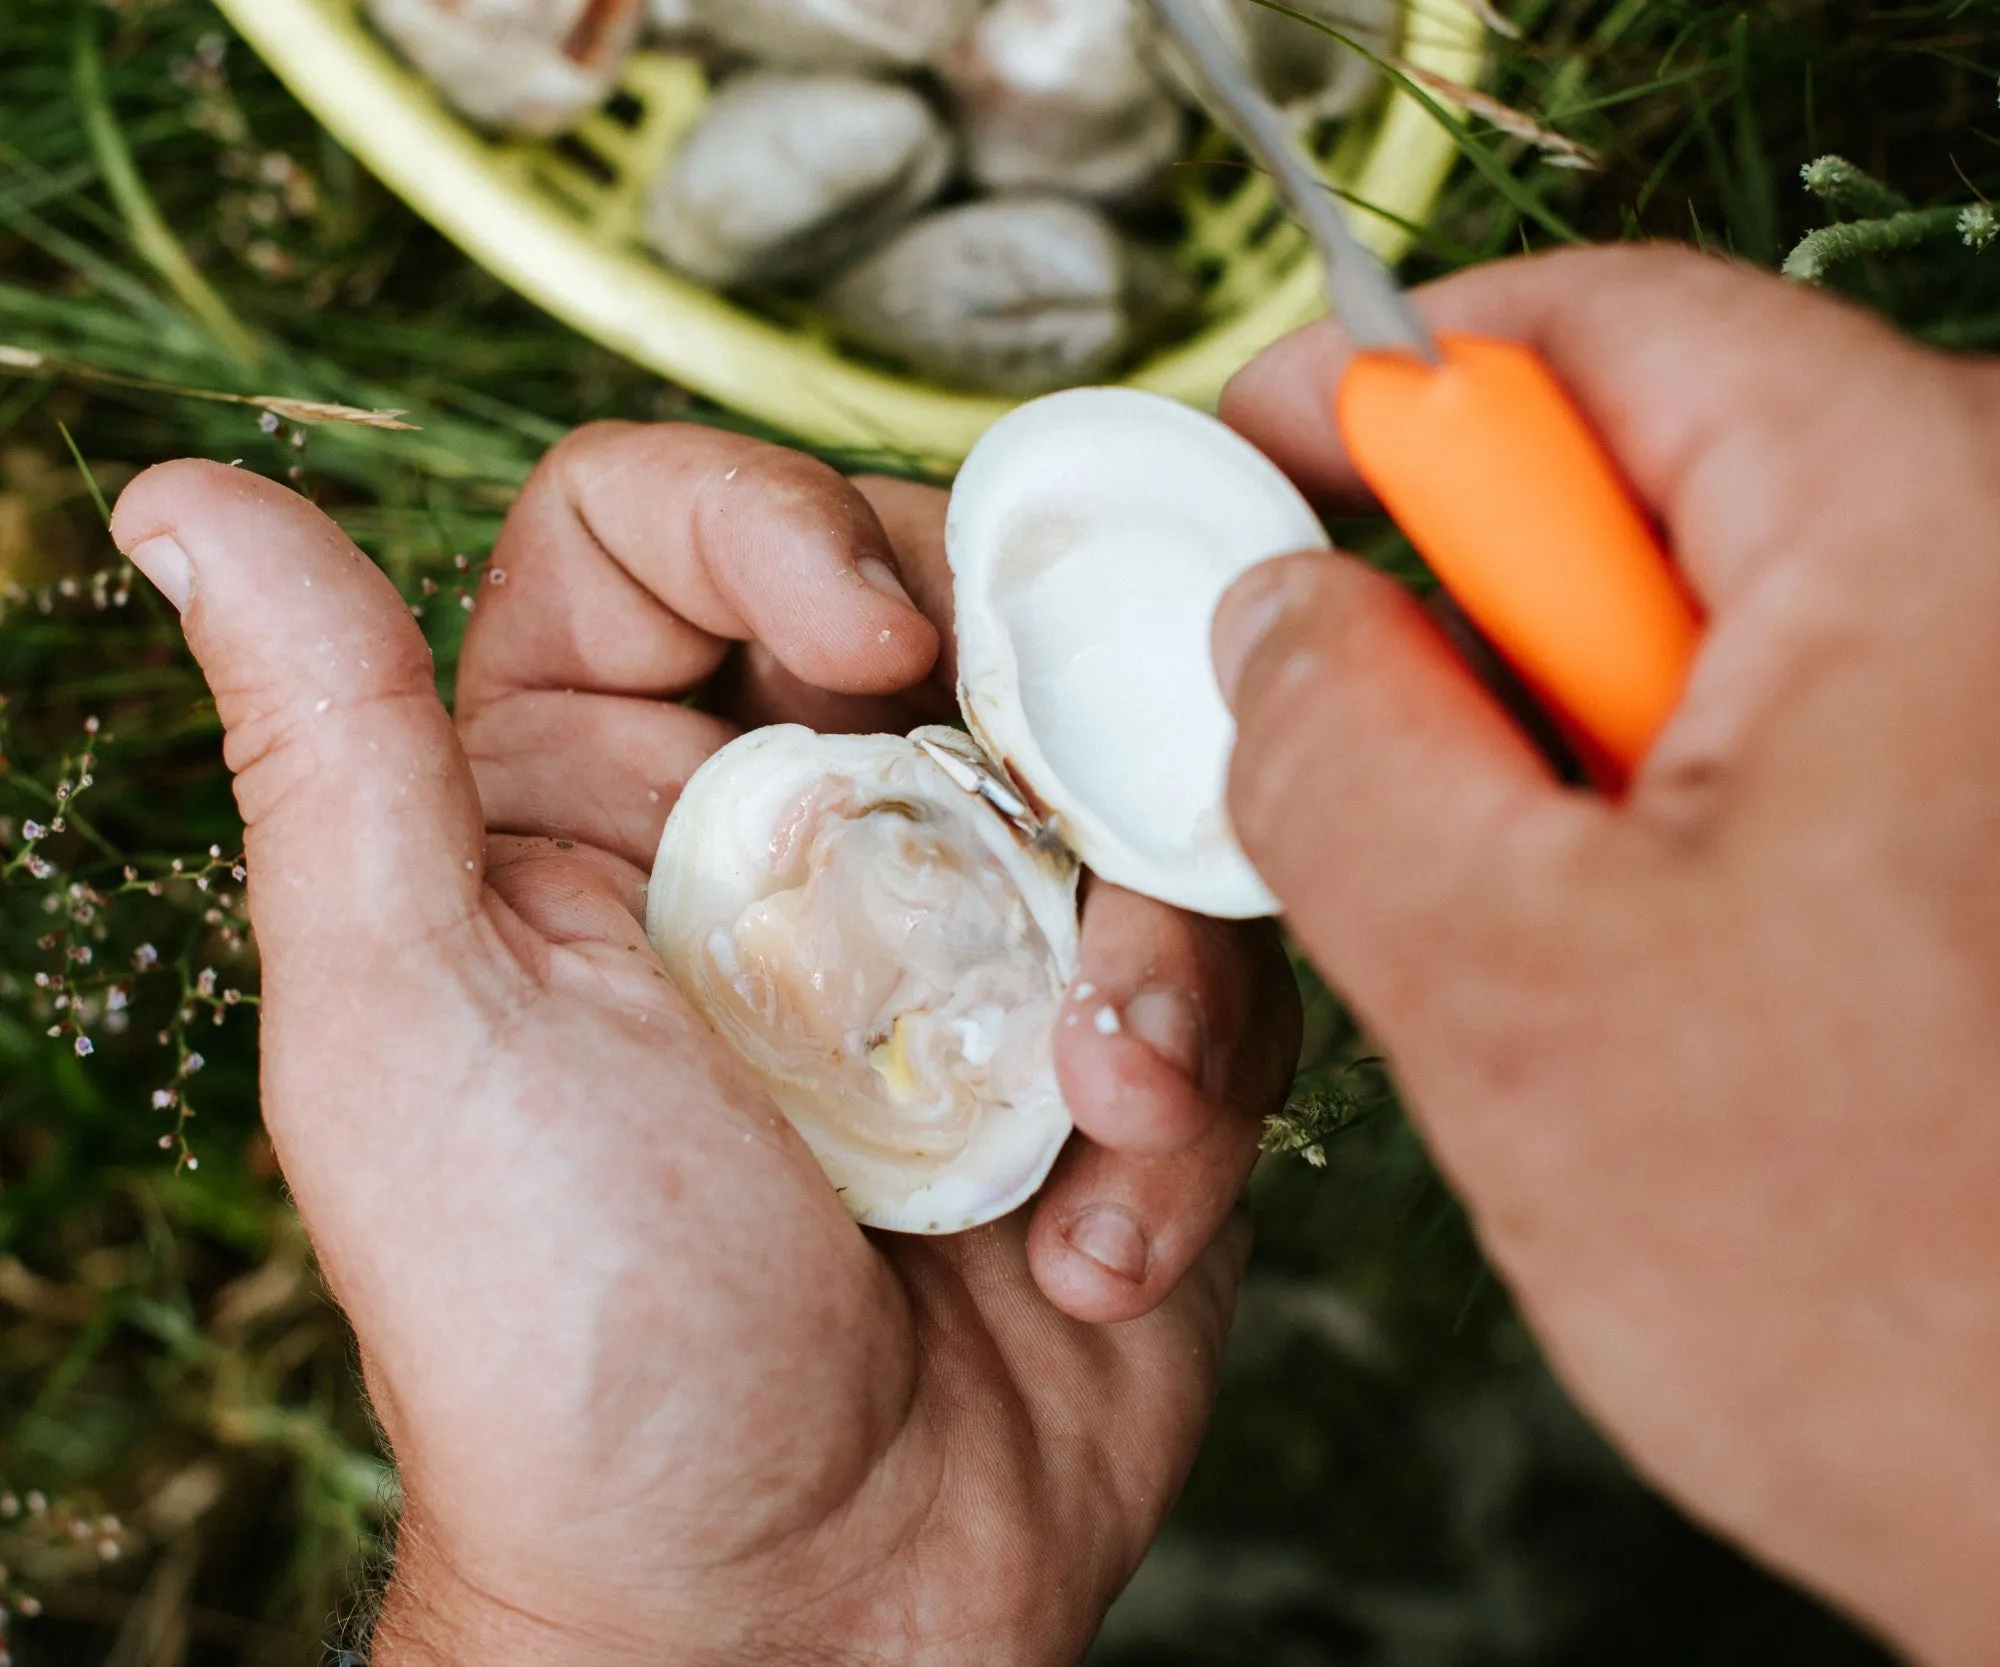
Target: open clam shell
{"x": 521, "y": 66}
{"x": 885, "y": 928}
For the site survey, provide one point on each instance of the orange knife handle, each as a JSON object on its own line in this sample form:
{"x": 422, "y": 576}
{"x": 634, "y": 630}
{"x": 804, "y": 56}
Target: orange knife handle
{"x": 1499, "y": 481}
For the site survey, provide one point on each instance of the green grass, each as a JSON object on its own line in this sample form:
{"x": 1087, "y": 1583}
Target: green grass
{"x": 1392, "y": 1475}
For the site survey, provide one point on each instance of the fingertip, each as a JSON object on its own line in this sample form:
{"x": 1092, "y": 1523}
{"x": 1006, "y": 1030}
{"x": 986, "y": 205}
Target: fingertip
{"x": 1127, "y": 1090}
{"x": 906, "y": 643}
{"x": 829, "y": 601}
{"x": 1255, "y": 606}
{"x": 1095, "y": 1264}
{"x": 154, "y": 498}
{"x": 1113, "y": 1235}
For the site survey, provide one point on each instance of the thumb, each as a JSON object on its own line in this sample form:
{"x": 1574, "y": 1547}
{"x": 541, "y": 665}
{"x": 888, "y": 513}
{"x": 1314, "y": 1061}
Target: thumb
{"x": 1406, "y": 825}
{"x": 363, "y": 828}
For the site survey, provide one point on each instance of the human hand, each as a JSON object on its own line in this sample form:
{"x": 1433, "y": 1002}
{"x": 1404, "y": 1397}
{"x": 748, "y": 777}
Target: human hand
{"x": 652, "y": 1395}
{"x": 1714, "y": 1069}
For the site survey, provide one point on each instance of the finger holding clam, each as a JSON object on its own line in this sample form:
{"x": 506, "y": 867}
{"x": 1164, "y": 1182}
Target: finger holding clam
{"x": 1061, "y": 95}
{"x": 834, "y": 34}
{"x": 1178, "y": 1040}
{"x": 1013, "y": 295}
{"x": 533, "y": 67}
{"x": 786, "y": 177}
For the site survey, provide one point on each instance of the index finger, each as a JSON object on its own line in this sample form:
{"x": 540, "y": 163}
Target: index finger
{"x": 636, "y": 555}
{"x": 1724, "y": 393}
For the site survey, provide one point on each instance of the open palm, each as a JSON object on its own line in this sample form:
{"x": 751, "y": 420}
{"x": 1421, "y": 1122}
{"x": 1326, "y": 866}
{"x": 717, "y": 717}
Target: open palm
{"x": 652, "y": 1394}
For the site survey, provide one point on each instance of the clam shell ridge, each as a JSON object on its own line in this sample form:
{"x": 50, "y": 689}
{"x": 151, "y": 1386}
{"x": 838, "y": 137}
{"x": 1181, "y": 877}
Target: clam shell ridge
{"x": 1091, "y": 536}
{"x": 888, "y": 953}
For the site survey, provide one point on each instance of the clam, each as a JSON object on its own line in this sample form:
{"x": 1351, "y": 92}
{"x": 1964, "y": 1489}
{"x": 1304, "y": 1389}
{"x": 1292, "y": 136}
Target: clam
{"x": 672, "y": 21}
{"x": 884, "y": 927}
{"x": 1307, "y": 72}
{"x": 1061, "y": 95}
{"x": 832, "y": 34}
{"x": 785, "y": 177}
{"x": 1013, "y": 295}
{"x": 523, "y": 66}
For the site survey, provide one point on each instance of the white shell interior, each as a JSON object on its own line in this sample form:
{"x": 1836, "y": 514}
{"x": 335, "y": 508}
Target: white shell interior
{"x": 1092, "y": 535}
{"x": 888, "y": 953}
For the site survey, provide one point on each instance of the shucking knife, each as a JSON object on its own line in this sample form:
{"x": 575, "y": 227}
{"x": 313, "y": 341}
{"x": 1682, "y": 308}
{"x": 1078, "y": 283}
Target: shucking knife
{"x": 1493, "y": 473}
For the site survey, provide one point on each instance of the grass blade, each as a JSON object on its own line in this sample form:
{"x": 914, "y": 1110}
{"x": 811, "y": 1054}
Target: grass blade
{"x": 151, "y": 235}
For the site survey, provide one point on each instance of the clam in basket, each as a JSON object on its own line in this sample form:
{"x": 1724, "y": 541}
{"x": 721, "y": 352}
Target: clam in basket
{"x": 559, "y": 222}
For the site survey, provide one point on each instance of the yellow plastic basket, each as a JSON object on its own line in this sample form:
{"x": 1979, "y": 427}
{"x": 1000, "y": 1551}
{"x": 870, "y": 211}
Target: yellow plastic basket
{"x": 559, "y": 222}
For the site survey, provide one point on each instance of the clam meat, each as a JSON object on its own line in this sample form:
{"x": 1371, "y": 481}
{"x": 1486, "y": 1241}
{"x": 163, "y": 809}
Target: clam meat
{"x": 835, "y": 34}
{"x": 1061, "y": 95}
{"x": 1011, "y": 295}
{"x": 786, "y": 177}
{"x": 533, "y": 67}
{"x": 888, "y": 952}
{"x": 885, "y": 928}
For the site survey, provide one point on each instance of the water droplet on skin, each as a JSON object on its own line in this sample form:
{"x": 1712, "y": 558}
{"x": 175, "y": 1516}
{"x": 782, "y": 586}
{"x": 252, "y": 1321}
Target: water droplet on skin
{"x": 1084, "y": 992}
{"x": 322, "y": 705}
{"x": 1107, "y": 1021}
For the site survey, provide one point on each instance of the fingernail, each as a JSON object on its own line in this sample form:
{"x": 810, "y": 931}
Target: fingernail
{"x": 1169, "y": 1022}
{"x": 879, "y": 575}
{"x": 165, "y": 563}
{"x": 1248, "y": 612}
{"x": 1112, "y": 1240}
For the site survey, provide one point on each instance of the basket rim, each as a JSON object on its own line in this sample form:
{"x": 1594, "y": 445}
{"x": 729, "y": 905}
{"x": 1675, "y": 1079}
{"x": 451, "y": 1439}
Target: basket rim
{"x": 458, "y": 179}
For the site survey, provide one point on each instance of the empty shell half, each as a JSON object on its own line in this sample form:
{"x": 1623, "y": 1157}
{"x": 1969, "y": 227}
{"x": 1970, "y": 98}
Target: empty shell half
{"x": 523, "y": 66}
{"x": 1091, "y": 537}
{"x": 885, "y": 928}
{"x": 787, "y": 177}
{"x": 888, "y": 952}
{"x": 1062, "y": 95}
{"x": 1013, "y": 295}
{"x": 837, "y": 34}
